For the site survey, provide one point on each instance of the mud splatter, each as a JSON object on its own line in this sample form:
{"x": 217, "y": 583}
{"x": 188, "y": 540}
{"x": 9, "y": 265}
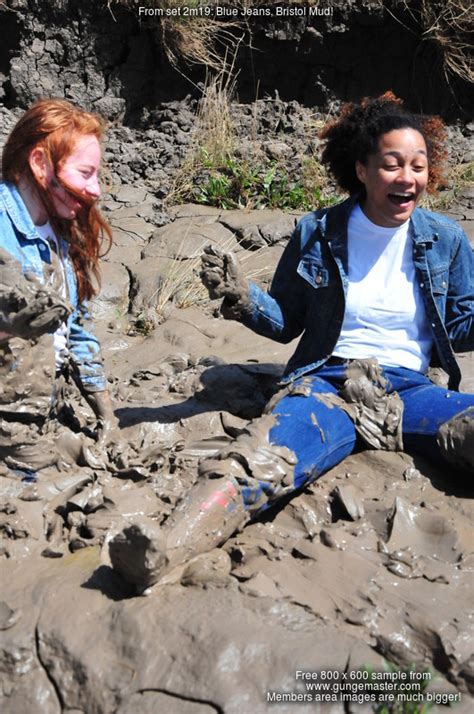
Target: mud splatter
{"x": 456, "y": 440}
{"x": 377, "y": 415}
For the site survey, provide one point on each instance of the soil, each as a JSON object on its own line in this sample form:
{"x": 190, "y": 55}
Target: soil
{"x": 371, "y": 563}
{"x": 375, "y": 557}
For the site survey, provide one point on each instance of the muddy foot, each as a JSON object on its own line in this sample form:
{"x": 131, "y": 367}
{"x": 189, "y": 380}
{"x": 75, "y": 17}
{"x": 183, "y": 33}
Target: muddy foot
{"x": 138, "y": 554}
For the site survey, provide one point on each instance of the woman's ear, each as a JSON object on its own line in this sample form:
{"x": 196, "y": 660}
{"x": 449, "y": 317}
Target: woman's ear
{"x": 361, "y": 171}
{"x": 39, "y": 164}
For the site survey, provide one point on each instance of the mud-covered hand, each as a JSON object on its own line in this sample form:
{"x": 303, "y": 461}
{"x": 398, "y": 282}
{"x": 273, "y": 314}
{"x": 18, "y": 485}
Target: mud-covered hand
{"x": 28, "y": 308}
{"x": 223, "y": 277}
{"x": 42, "y": 313}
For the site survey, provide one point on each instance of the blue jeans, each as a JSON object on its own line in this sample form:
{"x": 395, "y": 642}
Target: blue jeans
{"x": 321, "y": 436}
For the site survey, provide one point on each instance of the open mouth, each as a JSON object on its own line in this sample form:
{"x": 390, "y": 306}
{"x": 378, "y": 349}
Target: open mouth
{"x": 401, "y": 199}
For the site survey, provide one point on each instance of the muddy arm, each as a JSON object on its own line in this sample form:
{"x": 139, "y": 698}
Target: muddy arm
{"x": 101, "y": 403}
{"x": 279, "y": 314}
{"x": 85, "y": 352}
{"x": 28, "y": 309}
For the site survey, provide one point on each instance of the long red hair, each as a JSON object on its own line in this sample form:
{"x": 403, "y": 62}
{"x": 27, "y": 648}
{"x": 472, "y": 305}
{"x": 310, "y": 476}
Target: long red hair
{"x": 55, "y": 125}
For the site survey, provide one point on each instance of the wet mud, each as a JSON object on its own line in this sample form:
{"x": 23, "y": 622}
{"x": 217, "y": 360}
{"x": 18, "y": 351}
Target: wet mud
{"x": 377, "y": 415}
{"x": 376, "y": 557}
{"x": 456, "y": 440}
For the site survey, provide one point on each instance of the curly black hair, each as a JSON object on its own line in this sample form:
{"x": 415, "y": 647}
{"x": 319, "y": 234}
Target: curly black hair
{"x": 354, "y": 136}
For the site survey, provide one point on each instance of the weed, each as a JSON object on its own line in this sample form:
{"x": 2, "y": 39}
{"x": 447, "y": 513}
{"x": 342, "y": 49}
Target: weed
{"x": 217, "y": 172}
{"x": 409, "y": 686}
{"x": 181, "y": 285}
{"x": 187, "y": 30}
{"x": 237, "y": 183}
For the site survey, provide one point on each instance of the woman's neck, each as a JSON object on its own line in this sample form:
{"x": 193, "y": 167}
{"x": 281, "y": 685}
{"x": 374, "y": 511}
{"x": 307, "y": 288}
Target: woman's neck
{"x": 33, "y": 203}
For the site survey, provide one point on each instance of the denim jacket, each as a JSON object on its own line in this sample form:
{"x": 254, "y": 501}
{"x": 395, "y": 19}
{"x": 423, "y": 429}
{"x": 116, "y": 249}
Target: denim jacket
{"x": 308, "y": 291}
{"x": 18, "y": 236}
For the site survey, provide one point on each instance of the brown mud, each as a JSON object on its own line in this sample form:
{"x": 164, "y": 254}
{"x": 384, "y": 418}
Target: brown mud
{"x": 372, "y": 562}
{"x": 377, "y": 415}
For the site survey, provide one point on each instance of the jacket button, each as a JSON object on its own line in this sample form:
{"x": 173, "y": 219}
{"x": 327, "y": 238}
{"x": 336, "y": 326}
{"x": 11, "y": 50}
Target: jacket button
{"x": 422, "y": 285}
{"x": 319, "y": 280}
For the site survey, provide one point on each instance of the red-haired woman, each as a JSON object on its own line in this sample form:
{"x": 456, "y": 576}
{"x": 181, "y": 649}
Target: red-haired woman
{"x": 51, "y": 235}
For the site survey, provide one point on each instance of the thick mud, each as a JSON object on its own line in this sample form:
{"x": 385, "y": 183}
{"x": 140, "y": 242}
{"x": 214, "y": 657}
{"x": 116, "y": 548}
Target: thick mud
{"x": 376, "y": 558}
{"x": 376, "y": 414}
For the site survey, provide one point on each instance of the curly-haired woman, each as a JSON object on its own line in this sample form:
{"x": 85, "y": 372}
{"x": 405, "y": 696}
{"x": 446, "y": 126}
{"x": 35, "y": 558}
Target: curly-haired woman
{"x": 378, "y": 289}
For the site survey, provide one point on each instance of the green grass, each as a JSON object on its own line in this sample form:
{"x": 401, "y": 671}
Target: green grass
{"x": 399, "y": 706}
{"x": 236, "y": 182}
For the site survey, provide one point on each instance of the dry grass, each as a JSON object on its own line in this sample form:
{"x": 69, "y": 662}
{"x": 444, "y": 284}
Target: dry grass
{"x": 192, "y": 36}
{"x": 447, "y": 23}
{"x": 220, "y": 170}
{"x": 214, "y": 137}
{"x": 181, "y": 286}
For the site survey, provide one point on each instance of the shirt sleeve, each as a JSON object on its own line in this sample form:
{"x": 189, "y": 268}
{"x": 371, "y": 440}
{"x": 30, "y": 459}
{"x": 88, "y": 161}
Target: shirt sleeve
{"x": 84, "y": 349}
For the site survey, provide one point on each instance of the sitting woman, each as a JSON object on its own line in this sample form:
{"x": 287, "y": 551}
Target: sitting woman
{"x": 379, "y": 289}
{"x": 51, "y": 236}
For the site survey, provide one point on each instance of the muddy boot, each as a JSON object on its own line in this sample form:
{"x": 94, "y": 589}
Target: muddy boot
{"x": 211, "y": 512}
{"x": 138, "y": 554}
{"x": 456, "y": 440}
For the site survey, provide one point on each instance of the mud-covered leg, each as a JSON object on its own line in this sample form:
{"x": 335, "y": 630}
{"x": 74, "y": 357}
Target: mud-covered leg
{"x": 456, "y": 440}
{"x": 318, "y": 432}
{"x": 211, "y": 512}
{"x": 439, "y": 424}
{"x": 250, "y": 474}
{"x": 230, "y": 488}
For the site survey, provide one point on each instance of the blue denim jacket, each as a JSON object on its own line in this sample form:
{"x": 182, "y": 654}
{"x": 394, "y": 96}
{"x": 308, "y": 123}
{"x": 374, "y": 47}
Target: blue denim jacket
{"x": 308, "y": 291}
{"x": 19, "y": 237}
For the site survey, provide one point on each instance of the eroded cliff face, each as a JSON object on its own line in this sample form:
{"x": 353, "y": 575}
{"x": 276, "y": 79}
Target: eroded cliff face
{"x": 110, "y": 58}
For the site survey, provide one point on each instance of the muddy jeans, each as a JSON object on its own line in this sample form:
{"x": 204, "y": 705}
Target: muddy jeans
{"x": 321, "y": 434}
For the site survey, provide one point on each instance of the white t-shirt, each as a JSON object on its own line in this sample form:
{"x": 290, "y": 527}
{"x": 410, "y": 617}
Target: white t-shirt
{"x": 385, "y": 315}
{"x": 60, "y": 336}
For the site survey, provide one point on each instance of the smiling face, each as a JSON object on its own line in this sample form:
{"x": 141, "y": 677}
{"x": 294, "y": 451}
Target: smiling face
{"x": 394, "y": 177}
{"x": 79, "y": 171}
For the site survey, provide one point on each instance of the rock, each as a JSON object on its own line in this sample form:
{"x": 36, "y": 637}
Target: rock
{"x": 110, "y": 107}
{"x": 131, "y": 195}
{"x": 183, "y": 239}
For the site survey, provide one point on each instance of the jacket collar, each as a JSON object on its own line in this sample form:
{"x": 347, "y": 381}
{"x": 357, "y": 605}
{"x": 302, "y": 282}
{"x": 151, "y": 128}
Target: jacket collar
{"x": 20, "y": 216}
{"x": 422, "y": 229}
{"x": 333, "y": 224}
{"x": 17, "y": 210}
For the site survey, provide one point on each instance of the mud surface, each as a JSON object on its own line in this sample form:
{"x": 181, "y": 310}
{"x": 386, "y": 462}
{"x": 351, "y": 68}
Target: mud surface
{"x": 372, "y": 562}
{"x": 375, "y": 558}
